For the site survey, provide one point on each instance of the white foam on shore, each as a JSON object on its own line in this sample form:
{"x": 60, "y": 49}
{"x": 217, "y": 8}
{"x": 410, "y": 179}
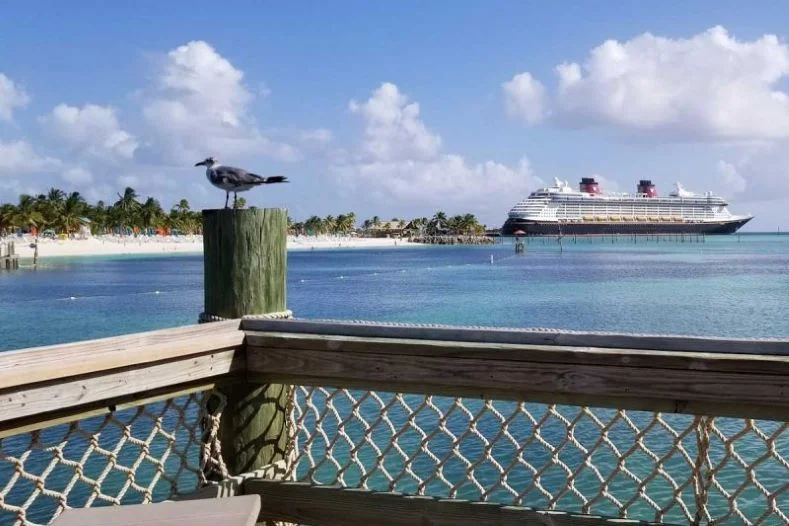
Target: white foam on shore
{"x": 118, "y": 245}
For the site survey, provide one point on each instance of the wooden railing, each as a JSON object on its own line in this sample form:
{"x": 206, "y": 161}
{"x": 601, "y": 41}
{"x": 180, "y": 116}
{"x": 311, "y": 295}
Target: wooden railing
{"x": 366, "y": 423}
{"x": 535, "y": 424}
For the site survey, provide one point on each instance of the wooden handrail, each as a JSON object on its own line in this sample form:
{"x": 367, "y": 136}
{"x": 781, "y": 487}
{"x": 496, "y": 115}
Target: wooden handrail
{"x": 58, "y": 362}
{"x": 458, "y": 361}
{"x": 721, "y": 384}
{"x": 764, "y": 346}
{"x": 47, "y": 384}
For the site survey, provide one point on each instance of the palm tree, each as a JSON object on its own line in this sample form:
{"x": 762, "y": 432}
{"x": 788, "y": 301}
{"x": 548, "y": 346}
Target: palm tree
{"x": 240, "y": 203}
{"x": 99, "y": 218}
{"x": 127, "y": 206}
{"x": 72, "y": 214}
{"x": 51, "y": 206}
{"x": 7, "y": 213}
{"x": 182, "y": 206}
{"x": 313, "y": 225}
{"x": 150, "y": 214}
{"x": 376, "y": 221}
{"x": 27, "y": 213}
{"x": 437, "y": 223}
{"x": 297, "y": 228}
{"x": 330, "y": 224}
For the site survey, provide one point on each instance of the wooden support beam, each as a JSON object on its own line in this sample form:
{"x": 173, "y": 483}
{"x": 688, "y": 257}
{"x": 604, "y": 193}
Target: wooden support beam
{"x": 245, "y": 262}
{"x": 332, "y": 506}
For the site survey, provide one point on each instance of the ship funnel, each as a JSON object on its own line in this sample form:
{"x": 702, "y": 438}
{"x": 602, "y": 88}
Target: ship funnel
{"x": 646, "y": 188}
{"x": 589, "y": 185}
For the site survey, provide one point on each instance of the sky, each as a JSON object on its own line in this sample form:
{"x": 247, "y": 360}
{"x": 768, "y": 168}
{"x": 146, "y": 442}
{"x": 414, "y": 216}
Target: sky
{"x": 397, "y": 109}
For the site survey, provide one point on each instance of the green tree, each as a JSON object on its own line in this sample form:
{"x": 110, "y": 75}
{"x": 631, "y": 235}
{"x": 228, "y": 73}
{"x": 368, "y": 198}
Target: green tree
{"x": 27, "y": 214}
{"x": 7, "y": 217}
{"x": 99, "y": 218}
{"x": 150, "y": 214}
{"x": 127, "y": 207}
{"x": 437, "y": 223}
{"x": 329, "y": 224}
{"x": 72, "y": 214}
{"x": 313, "y": 225}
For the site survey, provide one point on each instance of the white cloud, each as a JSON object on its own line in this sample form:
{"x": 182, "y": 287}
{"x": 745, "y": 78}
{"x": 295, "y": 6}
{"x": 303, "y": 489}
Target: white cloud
{"x": 77, "y": 176}
{"x": 525, "y": 98}
{"x": 758, "y": 173}
{"x": 129, "y": 180}
{"x": 734, "y": 183}
{"x": 320, "y": 136}
{"x": 200, "y": 107}
{"x": 710, "y": 86}
{"x": 401, "y": 159}
{"x": 19, "y": 157}
{"x": 92, "y": 128}
{"x": 393, "y": 129}
{"x": 12, "y": 96}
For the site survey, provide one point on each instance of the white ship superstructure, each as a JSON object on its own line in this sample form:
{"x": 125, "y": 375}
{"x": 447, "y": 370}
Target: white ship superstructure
{"x": 587, "y": 210}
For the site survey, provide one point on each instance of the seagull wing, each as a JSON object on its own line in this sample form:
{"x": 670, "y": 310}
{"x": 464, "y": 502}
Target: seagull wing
{"x": 237, "y": 176}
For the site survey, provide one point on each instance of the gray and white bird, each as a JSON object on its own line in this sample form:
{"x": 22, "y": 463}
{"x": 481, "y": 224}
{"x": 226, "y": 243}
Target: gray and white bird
{"x": 235, "y": 180}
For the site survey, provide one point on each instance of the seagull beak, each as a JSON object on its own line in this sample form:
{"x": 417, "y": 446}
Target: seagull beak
{"x": 201, "y": 163}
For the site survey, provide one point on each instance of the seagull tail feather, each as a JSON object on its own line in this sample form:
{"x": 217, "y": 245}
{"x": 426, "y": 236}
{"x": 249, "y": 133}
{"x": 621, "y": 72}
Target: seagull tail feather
{"x": 276, "y": 179}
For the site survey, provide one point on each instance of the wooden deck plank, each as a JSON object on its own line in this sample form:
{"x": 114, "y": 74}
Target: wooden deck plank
{"x": 333, "y": 506}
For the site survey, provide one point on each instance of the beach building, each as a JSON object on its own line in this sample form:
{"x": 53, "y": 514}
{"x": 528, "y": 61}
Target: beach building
{"x": 388, "y": 229}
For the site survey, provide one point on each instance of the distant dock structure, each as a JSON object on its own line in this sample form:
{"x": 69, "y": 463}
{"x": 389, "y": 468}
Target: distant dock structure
{"x": 9, "y": 259}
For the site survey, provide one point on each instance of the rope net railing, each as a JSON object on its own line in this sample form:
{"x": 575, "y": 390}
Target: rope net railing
{"x": 142, "y": 454}
{"x": 680, "y": 469}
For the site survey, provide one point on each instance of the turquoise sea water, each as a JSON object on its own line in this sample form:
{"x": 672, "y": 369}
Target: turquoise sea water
{"x": 727, "y": 286}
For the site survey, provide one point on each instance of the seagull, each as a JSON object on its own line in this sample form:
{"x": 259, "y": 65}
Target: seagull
{"x": 235, "y": 180}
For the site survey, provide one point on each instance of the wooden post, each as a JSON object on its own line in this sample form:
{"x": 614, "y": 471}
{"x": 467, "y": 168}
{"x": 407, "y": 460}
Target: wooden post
{"x": 245, "y": 262}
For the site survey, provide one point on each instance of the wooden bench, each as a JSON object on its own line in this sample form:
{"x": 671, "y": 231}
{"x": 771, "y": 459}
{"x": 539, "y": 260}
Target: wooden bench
{"x": 233, "y": 511}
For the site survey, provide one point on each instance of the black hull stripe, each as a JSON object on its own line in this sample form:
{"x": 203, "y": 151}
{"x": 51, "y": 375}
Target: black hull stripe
{"x": 535, "y": 228}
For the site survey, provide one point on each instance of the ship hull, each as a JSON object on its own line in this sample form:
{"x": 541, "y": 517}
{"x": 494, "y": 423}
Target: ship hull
{"x": 538, "y": 228}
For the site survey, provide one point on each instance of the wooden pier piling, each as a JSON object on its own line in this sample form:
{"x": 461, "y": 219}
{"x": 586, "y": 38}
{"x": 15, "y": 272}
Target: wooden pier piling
{"x": 9, "y": 259}
{"x": 245, "y": 263}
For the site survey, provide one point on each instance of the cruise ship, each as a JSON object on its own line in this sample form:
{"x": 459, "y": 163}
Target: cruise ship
{"x": 561, "y": 210}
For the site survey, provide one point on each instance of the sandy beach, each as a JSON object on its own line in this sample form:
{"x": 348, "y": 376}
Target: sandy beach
{"x": 116, "y": 245}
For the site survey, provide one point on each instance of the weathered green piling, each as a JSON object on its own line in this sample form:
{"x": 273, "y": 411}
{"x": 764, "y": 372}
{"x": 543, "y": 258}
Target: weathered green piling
{"x": 245, "y": 262}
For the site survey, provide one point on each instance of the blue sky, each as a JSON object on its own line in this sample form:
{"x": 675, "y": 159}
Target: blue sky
{"x": 396, "y": 109}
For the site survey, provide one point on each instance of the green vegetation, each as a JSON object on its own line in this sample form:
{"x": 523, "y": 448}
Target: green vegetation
{"x": 439, "y": 224}
{"x": 67, "y": 213}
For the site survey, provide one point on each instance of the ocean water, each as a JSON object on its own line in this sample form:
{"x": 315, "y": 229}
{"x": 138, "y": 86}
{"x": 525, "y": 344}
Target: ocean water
{"x": 727, "y": 286}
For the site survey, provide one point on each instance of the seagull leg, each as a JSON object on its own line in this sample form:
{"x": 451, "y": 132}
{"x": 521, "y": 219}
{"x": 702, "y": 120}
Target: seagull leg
{"x": 227, "y": 197}
{"x": 235, "y": 199}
